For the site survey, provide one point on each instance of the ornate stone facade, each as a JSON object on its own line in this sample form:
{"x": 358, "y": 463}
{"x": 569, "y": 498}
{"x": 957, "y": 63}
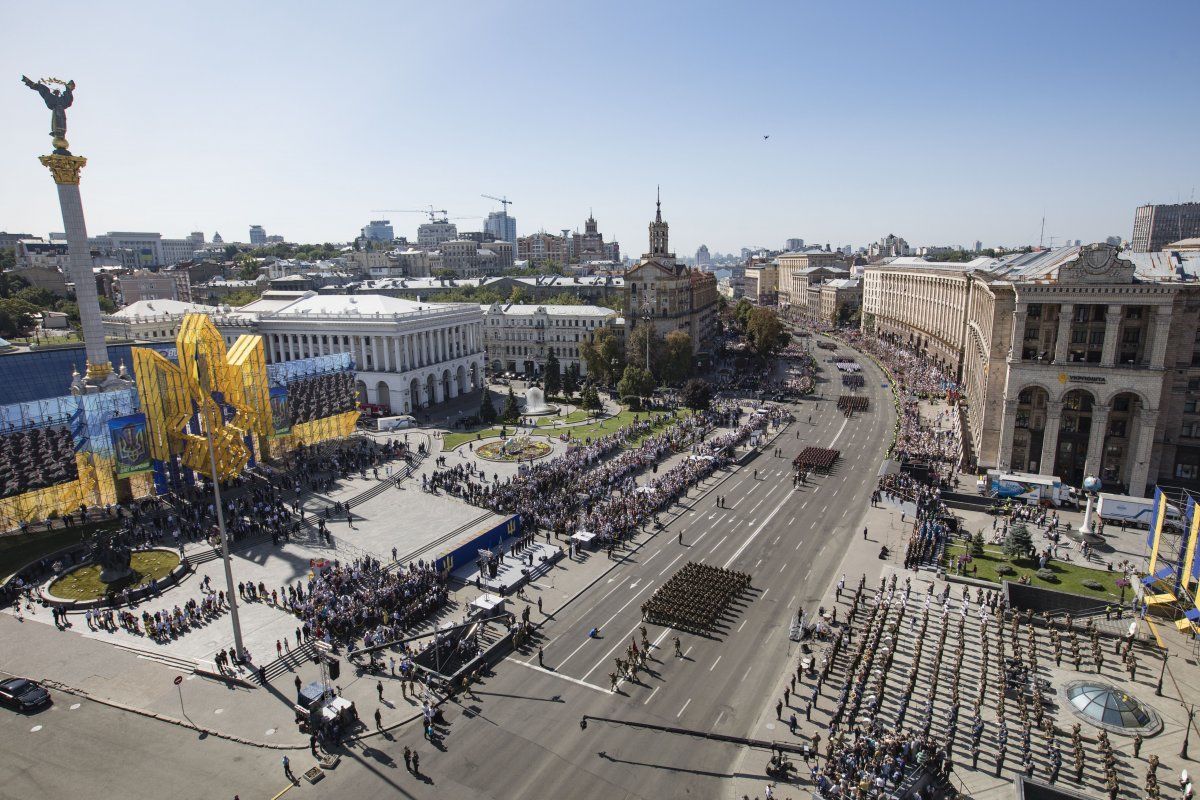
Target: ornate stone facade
{"x": 1069, "y": 359}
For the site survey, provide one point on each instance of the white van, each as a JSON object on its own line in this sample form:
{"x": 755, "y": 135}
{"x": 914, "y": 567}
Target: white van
{"x": 385, "y": 424}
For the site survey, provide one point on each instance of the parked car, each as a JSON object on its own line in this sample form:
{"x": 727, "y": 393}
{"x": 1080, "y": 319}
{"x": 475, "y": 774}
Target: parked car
{"x": 22, "y": 694}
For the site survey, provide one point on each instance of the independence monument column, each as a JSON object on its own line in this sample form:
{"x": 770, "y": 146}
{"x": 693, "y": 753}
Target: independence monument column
{"x": 65, "y": 169}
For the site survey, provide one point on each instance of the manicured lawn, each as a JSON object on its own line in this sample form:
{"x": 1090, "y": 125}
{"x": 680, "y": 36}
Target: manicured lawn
{"x": 84, "y": 583}
{"x": 1070, "y": 576}
{"x": 593, "y": 430}
{"x": 613, "y": 424}
{"x": 578, "y": 415}
{"x": 18, "y": 549}
{"x": 453, "y": 440}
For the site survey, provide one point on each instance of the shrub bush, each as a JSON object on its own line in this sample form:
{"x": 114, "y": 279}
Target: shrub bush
{"x": 1091, "y": 584}
{"x": 1005, "y": 569}
{"x": 1047, "y": 575}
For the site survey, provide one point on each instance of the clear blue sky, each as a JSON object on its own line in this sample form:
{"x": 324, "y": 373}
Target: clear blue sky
{"x": 939, "y": 121}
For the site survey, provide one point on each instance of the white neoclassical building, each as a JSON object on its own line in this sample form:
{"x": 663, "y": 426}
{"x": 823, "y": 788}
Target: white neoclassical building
{"x": 519, "y": 337}
{"x": 407, "y": 355}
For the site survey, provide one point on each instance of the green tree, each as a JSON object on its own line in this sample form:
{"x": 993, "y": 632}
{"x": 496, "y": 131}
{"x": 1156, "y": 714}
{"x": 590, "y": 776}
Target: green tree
{"x": 519, "y": 295}
{"x": 511, "y": 412}
{"x": 107, "y": 305}
{"x": 742, "y": 311}
{"x": 766, "y": 333}
{"x": 570, "y": 380}
{"x": 41, "y": 298}
{"x": 563, "y": 299}
{"x": 16, "y": 317}
{"x": 231, "y": 250}
{"x": 10, "y": 284}
{"x": 8, "y": 258}
{"x": 636, "y": 348}
{"x": 70, "y": 308}
{"x": 636, "y": 382}
{"x": 676, "y": 362}
{"x": 1018, "y": 543}
{"x": 552, "y": 375}
{"x": 487, "y": 410}
{"x": 247, "y": 267}
{"x": 241, "y": 297}
{"x": 696, "y": 394}
{"x": 591, "y": 397}
{"x": 603, "y": 355}
{"x": 976, "y": 549}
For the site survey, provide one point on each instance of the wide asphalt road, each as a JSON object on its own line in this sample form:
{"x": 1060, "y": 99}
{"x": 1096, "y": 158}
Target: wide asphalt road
{"x": 520, "y": 736}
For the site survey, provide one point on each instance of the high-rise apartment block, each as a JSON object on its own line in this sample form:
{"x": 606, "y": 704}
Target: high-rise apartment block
{"x": 1154, "y": 227}
{"x": 378, "y": 230}
{"x": 258, "y": 235}
{"x": 501, "y": 225}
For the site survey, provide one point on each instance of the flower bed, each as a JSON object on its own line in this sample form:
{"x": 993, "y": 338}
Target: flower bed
{"x": 510, "y": 450}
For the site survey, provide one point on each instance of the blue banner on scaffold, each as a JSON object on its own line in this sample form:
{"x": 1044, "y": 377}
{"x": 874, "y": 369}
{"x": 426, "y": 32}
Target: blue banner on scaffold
{"x": 131, "y": 445}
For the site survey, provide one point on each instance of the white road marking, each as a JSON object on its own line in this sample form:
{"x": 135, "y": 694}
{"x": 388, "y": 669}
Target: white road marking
{"x": 718, "y": 544}
{"x": 668, "y": 566}
{"x": 790, "y": 521}
{"x": 777, "y": 538}
{"x": 685, "y": 705}
{"x": 824, "y": 508}
{"x": 781, "y": 569}
{"x": 714, "y": 666}
{"x": 610, "y": 619}
{"x": 564, "y": 677}
{"x": 647, "y": 700}
{"x": 764, "y": 594}
{"x": 739, "y": 630}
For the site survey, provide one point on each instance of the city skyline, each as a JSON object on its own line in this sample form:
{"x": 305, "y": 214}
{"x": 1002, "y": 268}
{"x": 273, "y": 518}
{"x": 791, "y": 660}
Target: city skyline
{"x": 902, "y": 143}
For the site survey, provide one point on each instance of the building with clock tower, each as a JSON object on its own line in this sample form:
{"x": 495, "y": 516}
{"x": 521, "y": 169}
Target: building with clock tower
{"x": 661, "y": 291}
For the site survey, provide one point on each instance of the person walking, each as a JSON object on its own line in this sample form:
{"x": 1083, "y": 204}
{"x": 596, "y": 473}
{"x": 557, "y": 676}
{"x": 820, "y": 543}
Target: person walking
{"x": 408, "y": 754}
{"x": 379, "y": 688}
{"x": 416, "y": 762}
{"x": 287, "y": 769}
{"x": 540, "y": 662}
{"x": 378, "y": 719}
{"x": 779, "y": 710}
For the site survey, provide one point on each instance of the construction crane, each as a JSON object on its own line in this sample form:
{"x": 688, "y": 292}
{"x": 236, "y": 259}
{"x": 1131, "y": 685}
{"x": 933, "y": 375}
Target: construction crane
{"x": 504, "y": 201}
{"x": 504, "y": 204}
{"x": 431, "y": 211}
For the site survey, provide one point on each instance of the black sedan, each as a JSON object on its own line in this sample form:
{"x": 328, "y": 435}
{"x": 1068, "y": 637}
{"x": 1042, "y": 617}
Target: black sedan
{"x": 21, "y": 694}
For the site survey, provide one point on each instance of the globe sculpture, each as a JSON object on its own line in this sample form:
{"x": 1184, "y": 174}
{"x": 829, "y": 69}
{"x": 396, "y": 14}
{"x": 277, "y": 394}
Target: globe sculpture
{"x": 1091, "y": 485}
{"x": 535, "y": 403}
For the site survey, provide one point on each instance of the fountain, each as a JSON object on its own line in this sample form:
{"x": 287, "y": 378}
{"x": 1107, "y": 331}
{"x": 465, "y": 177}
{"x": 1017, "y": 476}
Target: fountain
{"x": 535, "y": 403}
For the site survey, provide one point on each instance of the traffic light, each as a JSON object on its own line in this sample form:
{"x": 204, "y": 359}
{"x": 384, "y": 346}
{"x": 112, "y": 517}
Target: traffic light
{"x": 335, "y": 669}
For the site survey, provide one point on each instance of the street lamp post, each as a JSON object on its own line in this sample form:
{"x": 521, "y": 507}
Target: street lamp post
{"x": 648, "y": 316}
{"x": 1187, "y": 731}
{"x": 1161, "y": 673}
{"x": 202, "y": 365}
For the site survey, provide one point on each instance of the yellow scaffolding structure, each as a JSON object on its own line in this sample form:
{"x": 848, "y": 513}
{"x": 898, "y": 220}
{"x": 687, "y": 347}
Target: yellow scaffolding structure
{"x": 172, "y": 393}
